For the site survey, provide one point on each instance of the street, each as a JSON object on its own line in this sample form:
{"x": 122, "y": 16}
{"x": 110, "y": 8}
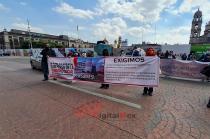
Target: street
{"x": 31, "y": 108}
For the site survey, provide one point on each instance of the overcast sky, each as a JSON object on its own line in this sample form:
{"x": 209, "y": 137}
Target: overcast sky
{"x": 135, "y": 20}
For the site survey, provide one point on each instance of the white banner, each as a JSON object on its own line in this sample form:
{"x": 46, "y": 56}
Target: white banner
{"x": 142, "y": 71}
{"x": 61, "y": 68}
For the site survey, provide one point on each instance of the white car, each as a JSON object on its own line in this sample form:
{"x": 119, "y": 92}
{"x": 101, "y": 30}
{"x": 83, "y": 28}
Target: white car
{"x": 35, "y": 59}
{"x": 1, "y": 52}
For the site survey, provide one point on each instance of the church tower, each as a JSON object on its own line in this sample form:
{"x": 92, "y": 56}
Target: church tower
{"x": 196, "y": 26}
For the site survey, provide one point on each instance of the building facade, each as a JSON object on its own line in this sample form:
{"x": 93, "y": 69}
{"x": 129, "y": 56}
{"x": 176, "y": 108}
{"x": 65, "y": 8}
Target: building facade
{"x": 13, "y": 39}
{"x": 196, "y": 37}
{"x": 176, "y": 48}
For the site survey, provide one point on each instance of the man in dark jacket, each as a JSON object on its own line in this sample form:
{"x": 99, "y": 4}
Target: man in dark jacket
{"x": 45, "y": 54}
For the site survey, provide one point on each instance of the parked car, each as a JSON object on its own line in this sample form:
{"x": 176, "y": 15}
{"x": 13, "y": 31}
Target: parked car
{"x": 35, "y": 59}
{"x": 1, "y": 52}
{"x": 6, "y": 54}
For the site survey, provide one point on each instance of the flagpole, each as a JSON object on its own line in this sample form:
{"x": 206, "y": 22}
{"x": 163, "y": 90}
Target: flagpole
{"x": 78, "y": 32}
{"x": 29, "y": 33}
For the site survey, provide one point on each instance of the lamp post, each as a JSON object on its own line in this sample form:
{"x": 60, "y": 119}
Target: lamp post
{"x": 29, "y": 33}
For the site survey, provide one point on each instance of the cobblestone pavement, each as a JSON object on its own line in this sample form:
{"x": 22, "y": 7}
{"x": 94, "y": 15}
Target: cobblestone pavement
{"x": 34, "y": 109}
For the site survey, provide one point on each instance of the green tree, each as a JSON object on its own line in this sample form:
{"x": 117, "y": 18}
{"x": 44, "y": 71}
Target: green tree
{"x": 25, "y": 45}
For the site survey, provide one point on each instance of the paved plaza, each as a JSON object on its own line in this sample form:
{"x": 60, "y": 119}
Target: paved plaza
{"x": 31, "y": 108}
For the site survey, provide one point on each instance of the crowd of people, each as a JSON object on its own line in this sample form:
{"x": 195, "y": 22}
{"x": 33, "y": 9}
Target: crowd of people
{"x": 172, "y": 55}
{"x": 48, "y": 52}
{"x": 167, "y": 55}
{"x": 78, "y": 53}
{"x": 183, "y": 56}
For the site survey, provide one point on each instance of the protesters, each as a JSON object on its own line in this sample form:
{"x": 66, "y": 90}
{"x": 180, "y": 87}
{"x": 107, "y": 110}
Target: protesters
{"x": 167, "y": 54}
{"x": 150, "y": 52}
{"x": 89, "y": 53}
{"x": 208, "y": 105}
{"x": 45, "y": 54}
{"x": 205, "y": 58}
{"x": 149, "y": 90}
{"x": 135, "y": 52}
{"x": 122, "y": 53}
{"x": 70, "y": 54}
{"x": 138, "y": 52}
{"x": 52, "y": 54}
{"x": 206, "y": 71}
{"x": 173, "y": 56}
{"x": 84, "y": 54}
{"x": 191, "y": 56}
{"x": 105, "y": 53}
{"x": 184, "y": 56}
{"x": 76, "y": 54}
{"x": 65, "y": 54}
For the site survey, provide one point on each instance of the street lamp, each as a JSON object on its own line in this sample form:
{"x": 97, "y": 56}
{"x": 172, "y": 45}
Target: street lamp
{"x": 29, "y": 33}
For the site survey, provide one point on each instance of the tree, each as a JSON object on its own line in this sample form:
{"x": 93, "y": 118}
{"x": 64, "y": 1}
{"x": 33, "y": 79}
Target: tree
{"x": 39, "y": 44}
{"x": 25, "y": 45}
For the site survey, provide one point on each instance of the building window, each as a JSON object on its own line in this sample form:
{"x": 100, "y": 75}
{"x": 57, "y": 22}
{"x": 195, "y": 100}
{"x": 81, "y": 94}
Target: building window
{"x": 16, "y": 41}
{"x": 26, "y": 39}
{"x": 72, "y": 45}
{"x": 21, "y": 40}
{"x": 11, "y": 44}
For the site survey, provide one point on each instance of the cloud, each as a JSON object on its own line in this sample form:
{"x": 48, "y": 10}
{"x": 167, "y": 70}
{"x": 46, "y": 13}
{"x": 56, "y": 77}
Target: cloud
{"x": 110, "y": 28}
{"x": 69, "y": 10}
{"x": 135, "y": 10}
{"x": 171, "y": 35}
{"x": 23, "y": 26}
{"x": 190, "y": 6}
{"x": 137, "y": 31}
{"x": 23, "y": 3}
{"x": 81, "y": 28}
{"x": 3, "y": 8}
{"x": 174, "y": 35}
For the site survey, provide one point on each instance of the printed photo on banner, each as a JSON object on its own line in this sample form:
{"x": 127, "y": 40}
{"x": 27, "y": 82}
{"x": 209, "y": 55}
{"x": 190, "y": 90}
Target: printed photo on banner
{"x": 89, "y": 69}
{"x": 62, "y": 68}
